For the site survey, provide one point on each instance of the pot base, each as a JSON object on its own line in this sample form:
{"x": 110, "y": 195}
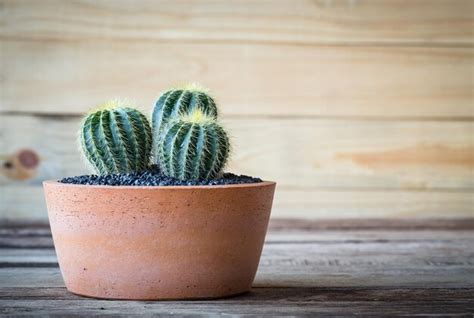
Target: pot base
{"x": 158, "y": 298}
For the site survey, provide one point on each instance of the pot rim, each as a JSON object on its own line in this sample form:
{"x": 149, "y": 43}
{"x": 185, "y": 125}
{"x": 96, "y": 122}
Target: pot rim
{"x": 181, "y": 187}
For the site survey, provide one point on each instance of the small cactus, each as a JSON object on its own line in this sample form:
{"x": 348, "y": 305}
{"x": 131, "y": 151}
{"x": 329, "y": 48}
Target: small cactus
{"x": 193, "y": 146}
{"x": 116, "y": 138}
{"x": 177, "y": 102}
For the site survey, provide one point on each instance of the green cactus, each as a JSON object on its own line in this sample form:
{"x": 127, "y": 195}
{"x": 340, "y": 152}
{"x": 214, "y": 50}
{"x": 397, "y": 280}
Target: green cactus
{"x": 116, "y": 138}
{"x": 177, "y": 102}
{"x": 194, "y": 146}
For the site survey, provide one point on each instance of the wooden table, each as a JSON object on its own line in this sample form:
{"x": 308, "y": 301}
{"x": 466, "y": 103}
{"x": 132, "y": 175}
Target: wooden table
{"x": 326, "y": 267}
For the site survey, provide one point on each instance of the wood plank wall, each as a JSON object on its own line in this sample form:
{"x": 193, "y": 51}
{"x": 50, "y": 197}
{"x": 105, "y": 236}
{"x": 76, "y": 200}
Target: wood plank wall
{"x": 357, "y": 108}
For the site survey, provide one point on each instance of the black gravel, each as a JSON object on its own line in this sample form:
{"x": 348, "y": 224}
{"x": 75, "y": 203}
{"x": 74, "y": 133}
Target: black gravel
{"x": 153, "y": 177}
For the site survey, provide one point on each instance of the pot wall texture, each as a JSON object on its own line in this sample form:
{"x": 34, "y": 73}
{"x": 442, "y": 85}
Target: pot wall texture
{"x": 159, "y": 242}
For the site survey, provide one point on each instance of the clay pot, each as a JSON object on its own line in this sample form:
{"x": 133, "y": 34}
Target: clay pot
{"x": 174, "y": 242}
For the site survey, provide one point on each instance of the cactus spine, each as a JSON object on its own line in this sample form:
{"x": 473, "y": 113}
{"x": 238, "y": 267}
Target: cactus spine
{"x": 194, "y": 146}
{"x": 116, "y": 139}
{"x": 177, "y": 102}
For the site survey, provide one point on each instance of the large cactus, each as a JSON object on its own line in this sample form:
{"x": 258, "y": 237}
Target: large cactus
{"x": 194, "y": 146}
{"x": 116, "y": 138}
{"x": 177, "y": 102}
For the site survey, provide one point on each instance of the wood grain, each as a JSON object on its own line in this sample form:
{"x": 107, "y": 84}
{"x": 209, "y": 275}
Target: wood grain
{"x": 361, "y": 258}
{"x": 341, "y": 204}
{"x": 308, "y": 294}
{"x": 26, "y": 202}
{"x": 295, "y": 308}
{"x": 421, "y": 22}
{"x": 363, "y": 267}
{"x": 324, "y": 168}
{"x": 356, "y": 108}
{"x": 21, "y": 241}
{"x": 23, "y": 245}
{"x": 303, "y": 154}
{"x": 58, "y": 77}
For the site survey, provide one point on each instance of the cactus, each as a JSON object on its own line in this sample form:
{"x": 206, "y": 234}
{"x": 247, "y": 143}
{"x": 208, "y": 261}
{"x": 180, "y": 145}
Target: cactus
{"x": 116, "y": 138}
{"x": 193, "y": 146}
{"x": 175, "y": 102}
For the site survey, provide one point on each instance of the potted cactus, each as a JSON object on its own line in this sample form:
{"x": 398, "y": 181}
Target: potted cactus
{"x": 159, "y": 219}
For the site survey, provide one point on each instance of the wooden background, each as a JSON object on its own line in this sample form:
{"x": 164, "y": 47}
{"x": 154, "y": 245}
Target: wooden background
{"x": 356, "y": 108}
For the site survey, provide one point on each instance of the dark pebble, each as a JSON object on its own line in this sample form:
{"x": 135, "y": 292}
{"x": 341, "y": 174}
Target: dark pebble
{"x": 153, "y": 177}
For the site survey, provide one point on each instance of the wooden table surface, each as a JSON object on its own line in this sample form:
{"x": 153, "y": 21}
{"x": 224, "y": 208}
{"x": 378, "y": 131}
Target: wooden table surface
{"x": 391, "y": 267}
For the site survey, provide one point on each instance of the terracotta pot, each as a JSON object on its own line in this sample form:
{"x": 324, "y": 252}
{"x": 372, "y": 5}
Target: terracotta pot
{"x": 158, "y": 242}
